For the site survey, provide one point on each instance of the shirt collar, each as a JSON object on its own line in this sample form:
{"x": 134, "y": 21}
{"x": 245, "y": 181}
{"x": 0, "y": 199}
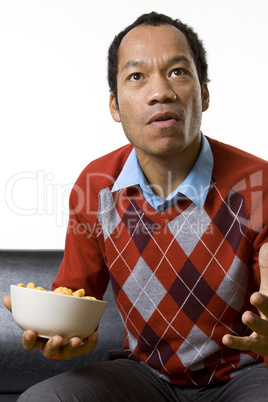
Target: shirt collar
{"x": 195, "y": 186}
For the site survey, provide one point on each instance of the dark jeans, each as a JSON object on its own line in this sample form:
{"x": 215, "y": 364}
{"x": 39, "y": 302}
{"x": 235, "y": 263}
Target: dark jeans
{"x": 123, "y": 380}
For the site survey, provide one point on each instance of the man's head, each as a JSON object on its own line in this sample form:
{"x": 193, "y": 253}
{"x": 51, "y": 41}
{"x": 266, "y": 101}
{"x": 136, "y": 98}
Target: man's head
{"x": 154, "y": 19}
{"x": 158, "y": 96}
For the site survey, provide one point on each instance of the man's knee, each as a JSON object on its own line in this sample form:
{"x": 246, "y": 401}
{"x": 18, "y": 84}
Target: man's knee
{"x": 77, "y": 385}
{"x": 117, "y": 380}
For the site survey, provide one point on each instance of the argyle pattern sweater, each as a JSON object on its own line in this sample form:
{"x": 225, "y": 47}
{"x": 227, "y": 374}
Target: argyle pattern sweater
{"x": 181, "y": 279}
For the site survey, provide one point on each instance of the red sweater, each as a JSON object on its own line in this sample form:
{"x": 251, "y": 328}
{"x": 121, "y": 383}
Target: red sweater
{"x": 181, "y": 279}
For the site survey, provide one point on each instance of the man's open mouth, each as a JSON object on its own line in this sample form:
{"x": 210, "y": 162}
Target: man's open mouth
{"x": 163, "y": 119}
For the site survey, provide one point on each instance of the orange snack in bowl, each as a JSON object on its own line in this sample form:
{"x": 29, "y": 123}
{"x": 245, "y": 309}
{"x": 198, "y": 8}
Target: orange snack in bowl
{"x": 79, "y": 293}
{"x": 64, "y": 291}
{"x": 61, "y": 290}
{"x": 31, "y": 285}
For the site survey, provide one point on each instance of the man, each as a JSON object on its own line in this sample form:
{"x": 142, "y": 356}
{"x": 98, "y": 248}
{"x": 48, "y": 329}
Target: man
{"x": 171, "y": 220}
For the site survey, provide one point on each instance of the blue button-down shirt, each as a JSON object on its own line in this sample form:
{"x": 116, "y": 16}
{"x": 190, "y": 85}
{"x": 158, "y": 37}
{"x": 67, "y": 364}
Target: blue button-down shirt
{"x": 195, "y": 186}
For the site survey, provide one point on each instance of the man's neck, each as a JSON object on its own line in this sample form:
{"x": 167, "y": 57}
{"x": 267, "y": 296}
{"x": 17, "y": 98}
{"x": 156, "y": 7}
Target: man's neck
{"x": 165, "y": 173}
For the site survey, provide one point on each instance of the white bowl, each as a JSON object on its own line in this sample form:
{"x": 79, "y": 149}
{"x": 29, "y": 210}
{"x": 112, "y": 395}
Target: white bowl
{"x": 49, "y": 313}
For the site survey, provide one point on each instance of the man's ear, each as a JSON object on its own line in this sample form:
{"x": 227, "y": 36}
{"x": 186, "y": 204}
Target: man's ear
{"x": 114, "y": 108}
{"x": 205, "y": 98}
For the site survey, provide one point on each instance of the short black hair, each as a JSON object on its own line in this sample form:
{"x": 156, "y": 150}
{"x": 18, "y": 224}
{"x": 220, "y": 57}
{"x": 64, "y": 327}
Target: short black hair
{"x": 155, "y": 19}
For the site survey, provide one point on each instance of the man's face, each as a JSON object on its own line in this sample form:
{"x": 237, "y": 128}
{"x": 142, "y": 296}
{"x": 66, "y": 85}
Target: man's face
{"x": 159, "y": 94}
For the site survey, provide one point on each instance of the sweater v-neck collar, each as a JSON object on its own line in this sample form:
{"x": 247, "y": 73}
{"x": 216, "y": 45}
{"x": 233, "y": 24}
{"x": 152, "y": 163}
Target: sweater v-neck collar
{"x": 137, "y": 199}
{"x": 195, "y": 187}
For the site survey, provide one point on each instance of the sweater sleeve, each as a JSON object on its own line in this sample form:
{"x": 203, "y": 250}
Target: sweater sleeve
{"x": 83, "y": 265}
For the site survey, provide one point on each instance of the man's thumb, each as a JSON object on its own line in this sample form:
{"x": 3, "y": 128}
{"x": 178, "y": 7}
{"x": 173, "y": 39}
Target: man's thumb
{"x": 7, "y": 302}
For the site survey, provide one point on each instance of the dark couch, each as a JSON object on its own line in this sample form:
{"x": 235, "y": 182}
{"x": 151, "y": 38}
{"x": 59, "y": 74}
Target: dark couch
{"x": 19, "y": 369}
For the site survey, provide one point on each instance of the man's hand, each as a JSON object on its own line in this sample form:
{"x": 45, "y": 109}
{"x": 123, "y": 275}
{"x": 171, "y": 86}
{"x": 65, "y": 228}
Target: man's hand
{"x": 55, "y": 347}
{"x": 257, "y": 342}
{"x": 7, "y": 302}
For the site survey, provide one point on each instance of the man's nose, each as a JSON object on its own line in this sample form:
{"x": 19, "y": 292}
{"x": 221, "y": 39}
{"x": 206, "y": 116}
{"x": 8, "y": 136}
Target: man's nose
{"x": 160, "y": 90}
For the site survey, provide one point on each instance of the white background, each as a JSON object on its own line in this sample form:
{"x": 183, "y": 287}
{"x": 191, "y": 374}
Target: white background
{"x": 54, "y": 116}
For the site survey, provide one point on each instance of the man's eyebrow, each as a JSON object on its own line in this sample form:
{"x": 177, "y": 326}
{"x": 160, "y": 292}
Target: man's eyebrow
{"x": 177, "y": 59}
{"x": 133, "y": 63}
{"x": 141, "y": 63}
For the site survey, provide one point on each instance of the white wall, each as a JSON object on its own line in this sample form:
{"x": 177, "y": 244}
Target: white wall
{"x": 54, "y": 115}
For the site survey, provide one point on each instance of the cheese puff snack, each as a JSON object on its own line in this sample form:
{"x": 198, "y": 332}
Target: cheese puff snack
{"x": 64, "y": 291}
{"x": 61, "y": 290}
{"x": 31, "y": 285}
{"x": 79, "y": 293}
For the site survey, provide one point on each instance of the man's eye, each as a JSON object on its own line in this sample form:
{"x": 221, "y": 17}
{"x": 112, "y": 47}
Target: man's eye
{"x": 177, "y": 72}
{"x": 135, "y": 77}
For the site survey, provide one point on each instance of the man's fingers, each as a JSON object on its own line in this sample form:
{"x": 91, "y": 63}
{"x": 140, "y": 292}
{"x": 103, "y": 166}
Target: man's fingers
{"x": 74, "y": 343}
{"x": 75, "y": 347}
{"x": 237, "y": 342}
{"x": 29, "y": 339}
{"x": 90, "y": 344}
{"x": 71, "y": 349}
{"x": 52, "y": 347}
{"x": 260, "y": 301}
{"x": 7, "y": 302}
{"x": 57, "y": 347}
{"x": 255, "y": 323}
{"x": 256, "y": 343}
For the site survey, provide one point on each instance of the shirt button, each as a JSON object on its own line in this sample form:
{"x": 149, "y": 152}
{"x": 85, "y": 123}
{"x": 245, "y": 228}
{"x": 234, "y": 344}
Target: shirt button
{"x": 161, "y": 208}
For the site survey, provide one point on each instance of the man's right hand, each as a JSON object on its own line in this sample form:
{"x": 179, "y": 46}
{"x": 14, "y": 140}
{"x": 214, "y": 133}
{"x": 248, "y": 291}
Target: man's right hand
{"x": 7, "y": 302}
{"x": 56, "y": 347}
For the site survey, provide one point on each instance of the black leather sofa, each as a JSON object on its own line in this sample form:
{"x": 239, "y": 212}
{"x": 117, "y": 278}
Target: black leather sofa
{"x": 19, "y": 369}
